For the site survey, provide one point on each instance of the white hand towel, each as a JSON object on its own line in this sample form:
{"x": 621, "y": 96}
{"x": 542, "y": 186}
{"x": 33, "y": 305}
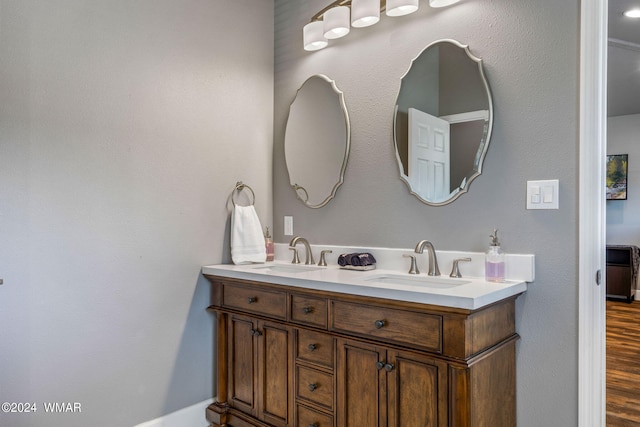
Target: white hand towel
{"x": 247, "y": 240}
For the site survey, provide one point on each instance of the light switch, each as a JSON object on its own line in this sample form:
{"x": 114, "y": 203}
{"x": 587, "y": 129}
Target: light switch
{"x": 543, "y": 194}
{"x": 535, "y": 194}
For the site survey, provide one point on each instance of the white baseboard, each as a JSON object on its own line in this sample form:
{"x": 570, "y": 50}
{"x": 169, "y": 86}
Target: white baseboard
{"x": 192, "y": 416}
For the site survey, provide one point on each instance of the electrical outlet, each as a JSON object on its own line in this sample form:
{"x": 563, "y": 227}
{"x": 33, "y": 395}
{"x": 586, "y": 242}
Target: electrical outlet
{"x": 288, "y": 226}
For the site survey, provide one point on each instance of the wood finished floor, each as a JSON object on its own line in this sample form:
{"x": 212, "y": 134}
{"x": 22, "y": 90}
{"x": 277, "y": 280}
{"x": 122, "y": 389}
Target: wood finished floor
{"x": 623, "y": 364}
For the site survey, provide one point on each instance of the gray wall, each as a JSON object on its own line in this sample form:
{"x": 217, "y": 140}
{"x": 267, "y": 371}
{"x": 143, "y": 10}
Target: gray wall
{"x": 623, "y": 222}
{"x": 530, "y": 51}
{"x": 123, "y": 127}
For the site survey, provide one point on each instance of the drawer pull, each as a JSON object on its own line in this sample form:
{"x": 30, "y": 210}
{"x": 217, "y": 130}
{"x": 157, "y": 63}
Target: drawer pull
{"x": 380, "y": 365}
{"x": 313, "y": 387}
{"x": 379, "y": 324}
{"x": 307, "y": 309}
{"x": 313, "y": 425}
{"x": 251, "y": 300}
{"x": 255, "y": 332}
{"x": 313, "y": 347}
{"x": 388, "y": 367}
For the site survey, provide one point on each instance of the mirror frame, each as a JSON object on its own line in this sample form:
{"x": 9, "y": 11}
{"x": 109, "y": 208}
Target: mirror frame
{"x": 299, "y": 190}
{"x": 482, "y": 149}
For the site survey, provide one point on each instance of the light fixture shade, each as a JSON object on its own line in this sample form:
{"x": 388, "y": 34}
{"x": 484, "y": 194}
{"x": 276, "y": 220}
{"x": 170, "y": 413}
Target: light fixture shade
{"x": 401, "y": 7}
{"x": 632, "y": 13}
{"x": 364, "y": 12}
{"x": 336, "y": 22}
{"x": 312, "y": 36}
{"x": 442, "y": 3}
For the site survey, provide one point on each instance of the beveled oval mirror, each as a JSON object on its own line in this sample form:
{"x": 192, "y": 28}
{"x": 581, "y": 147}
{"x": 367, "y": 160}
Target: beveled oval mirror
{"x": 442, "y": 124}
{"x": 316, "y": 142}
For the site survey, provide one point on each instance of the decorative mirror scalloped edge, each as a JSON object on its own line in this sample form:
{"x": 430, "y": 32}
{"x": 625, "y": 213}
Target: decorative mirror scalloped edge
{"x": 300, "y": 191}
{"x": 484, "y": 143}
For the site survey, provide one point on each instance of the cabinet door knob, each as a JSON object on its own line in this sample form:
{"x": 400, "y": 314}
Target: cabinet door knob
{"x": 307, "y": 309}
{"x": 388, "y": 367}
{"x": 379, "y": 323}
{"x": 313, "y": 387}
{"x": 255, "y": 332}
{"x": 313, "y": 347}
{"x": 380, "y": 365}
{"x": 251, "y": 300}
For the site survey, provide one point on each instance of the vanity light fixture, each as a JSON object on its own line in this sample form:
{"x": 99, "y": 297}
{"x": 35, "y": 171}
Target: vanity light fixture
{"x": 401, "y": 7}
{"x": 336, "y": 22}
{"x": 632, "y": 13}
{"x": 313, "y": 36}
{"x": 332, "y": 22}
{"x": 364, "y": 13}
{"x": 442, "y": 3}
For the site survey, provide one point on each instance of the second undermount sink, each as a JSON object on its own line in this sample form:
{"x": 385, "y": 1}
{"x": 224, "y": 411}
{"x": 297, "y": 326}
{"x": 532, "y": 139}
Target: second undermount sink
{"x": 426, "y": 281}
{"x": 292, "y": 268}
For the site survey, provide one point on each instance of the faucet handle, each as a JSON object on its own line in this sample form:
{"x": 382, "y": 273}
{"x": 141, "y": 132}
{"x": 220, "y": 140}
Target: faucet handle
{"x": 414, "y": 267}
{"x": 295, "y": 259}
{"x": 323, "y": 262}
{"x": 455, "y": 271}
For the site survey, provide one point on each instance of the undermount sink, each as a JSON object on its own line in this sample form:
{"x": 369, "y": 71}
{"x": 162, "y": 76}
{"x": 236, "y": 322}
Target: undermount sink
{"x": 426, "y": 281}
{"x": 293, "y": 268}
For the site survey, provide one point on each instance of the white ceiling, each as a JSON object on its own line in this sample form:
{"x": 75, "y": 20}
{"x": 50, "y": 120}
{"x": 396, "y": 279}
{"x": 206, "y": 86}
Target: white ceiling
{"x": 623, "y": 59}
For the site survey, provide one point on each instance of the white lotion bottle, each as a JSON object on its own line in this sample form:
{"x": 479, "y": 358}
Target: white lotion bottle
{"x": 494, "y": 260}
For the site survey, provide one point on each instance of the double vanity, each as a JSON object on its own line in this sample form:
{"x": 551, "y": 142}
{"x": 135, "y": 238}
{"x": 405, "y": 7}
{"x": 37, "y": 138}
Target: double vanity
{"x": 320, "y": 346}
{"x": 310, "y": 346}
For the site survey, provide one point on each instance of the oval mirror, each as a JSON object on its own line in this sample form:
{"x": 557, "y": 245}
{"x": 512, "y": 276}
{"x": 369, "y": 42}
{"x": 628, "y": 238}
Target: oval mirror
{"x": 442, "y": 124}
{"x": 316, "y": 142}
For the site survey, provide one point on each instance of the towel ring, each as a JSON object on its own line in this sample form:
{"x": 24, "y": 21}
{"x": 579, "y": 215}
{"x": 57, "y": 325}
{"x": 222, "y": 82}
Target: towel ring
{"x": 238, "y": 188}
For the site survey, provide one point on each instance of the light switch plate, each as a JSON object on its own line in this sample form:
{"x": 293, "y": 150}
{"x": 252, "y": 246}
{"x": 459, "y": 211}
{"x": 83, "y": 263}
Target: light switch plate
{"x": 543, "y": 194}
{"x": 288, "y": 226}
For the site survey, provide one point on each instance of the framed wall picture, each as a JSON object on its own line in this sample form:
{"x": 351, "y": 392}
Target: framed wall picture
{"x": 617, "y": 176}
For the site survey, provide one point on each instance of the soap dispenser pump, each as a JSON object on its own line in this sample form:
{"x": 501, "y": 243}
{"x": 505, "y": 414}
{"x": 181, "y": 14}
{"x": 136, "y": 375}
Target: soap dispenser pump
{"x": 268, "y": 244}
{"x": 494, "y": 260}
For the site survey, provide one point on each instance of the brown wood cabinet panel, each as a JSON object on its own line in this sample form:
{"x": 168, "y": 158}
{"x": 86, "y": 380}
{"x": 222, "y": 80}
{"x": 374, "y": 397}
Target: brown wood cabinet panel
{"x": 314, "y": 386}
{"x": 309, "y": 310}
{"x": 361, "y": 385}
{"x": 417, "y": 389}
{"x": 307, "y": 417}
{"x": 242, "y": 363}
{"x": 390, "y": 325}
{"x": 255, "y": 301}
{"x": 275, "y": 364}
{"x": 314, "y": 347}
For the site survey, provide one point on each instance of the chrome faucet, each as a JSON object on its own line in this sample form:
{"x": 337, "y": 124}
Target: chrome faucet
{"x": 307, "y": 249}
{"x": 433, "y": 260}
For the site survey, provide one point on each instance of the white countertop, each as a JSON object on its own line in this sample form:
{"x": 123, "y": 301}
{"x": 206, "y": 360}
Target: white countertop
{"x": 468, "y": 292}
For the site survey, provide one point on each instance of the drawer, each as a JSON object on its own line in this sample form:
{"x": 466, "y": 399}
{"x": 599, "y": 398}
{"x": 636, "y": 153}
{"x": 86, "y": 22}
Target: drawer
{"x": 417, "y": 330}
{"x": 309, "y": 310}
{"x": 257, "y": 301}
{"x": 307, "y": 417}
{"x": 314, "y": 347}
{"x": 314, "y": 386}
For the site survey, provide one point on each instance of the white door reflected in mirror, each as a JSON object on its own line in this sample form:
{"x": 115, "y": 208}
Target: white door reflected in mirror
{"x": 429, "y": 155}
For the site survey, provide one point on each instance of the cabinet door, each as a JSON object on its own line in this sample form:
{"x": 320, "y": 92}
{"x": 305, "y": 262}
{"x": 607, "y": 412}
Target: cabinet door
{"x": 242, "y": 363}
{"x": 275, "y": 369}
{"x": 361, "y": 382}
{"x": 417, "y": 390}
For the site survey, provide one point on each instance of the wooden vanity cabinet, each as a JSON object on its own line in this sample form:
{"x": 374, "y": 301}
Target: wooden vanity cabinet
{"x": 259, "y": 354}
{"x": 292, "y": 357}
{"x": 378, "y": 386}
